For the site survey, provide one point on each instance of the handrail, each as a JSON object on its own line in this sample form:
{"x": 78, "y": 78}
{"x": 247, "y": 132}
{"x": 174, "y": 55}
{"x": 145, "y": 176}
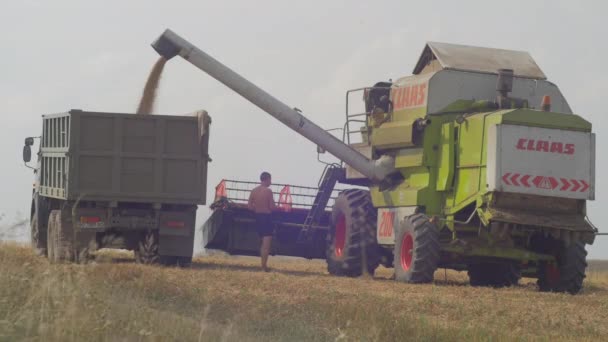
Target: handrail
{"x": 303, "y": 196}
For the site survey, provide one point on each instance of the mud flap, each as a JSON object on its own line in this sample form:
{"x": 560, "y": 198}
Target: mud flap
{"x": 176, "y": 234}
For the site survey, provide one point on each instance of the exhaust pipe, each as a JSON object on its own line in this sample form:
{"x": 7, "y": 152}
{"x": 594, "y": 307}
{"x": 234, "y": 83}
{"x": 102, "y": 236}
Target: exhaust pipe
{"x": 381, "y": 171}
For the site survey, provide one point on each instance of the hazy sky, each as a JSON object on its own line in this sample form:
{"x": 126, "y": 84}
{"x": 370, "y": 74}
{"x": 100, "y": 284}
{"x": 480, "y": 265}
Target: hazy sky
{"x": 59, "y": 55}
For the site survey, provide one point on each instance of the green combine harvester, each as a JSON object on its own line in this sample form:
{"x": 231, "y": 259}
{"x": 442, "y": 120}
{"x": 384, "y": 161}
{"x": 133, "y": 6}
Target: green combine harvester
{"x": 475, "y": 162}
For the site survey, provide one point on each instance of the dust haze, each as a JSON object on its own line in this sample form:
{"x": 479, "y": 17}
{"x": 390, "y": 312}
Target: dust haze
{"x": 97, "y": 56}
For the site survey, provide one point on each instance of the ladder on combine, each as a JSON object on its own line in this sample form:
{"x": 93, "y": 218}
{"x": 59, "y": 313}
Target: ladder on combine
{"x": 331, "y": 175}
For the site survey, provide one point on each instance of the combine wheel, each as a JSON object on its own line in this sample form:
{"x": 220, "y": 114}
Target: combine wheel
{"x": 494, "y": 274}
{"x": 352, "y": 248}
{"x": 60, "y": 240}
{"x": 147, "y": 248}
{"x": 568, "y": 273}
{"x": 417, "y": 250}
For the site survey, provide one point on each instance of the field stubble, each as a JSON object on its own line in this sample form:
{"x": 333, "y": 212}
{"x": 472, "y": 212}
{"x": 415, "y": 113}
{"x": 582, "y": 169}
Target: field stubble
{"x": 223, "y": 298}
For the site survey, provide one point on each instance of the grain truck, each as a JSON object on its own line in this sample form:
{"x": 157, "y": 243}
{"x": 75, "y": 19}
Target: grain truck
{"x": 111, "y": 180}
{"x": 474, "y": 162}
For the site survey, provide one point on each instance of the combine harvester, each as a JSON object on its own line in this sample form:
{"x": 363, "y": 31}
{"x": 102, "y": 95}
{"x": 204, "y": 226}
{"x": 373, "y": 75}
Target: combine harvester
{"x": 463, "y": 172}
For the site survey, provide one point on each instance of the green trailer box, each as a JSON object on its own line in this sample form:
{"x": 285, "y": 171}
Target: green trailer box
{"x": 123, "y": 157}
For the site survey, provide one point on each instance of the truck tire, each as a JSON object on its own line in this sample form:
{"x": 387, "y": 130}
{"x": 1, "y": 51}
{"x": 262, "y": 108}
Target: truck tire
{"x": 568, "y": 273}
{"x": 417, "y": 250}
{"x": 184, "y": 261}
{"x": 50, "y": 238}
{"x": 494, "y": 274}
{"x": 168, "y": 260}
{"x": 61, "y": 238}
{"x": 37, "y": 239}
{"x": 83, "y": 248}
{"x": 147, "y": 249}
{"x": 352, "y": 248}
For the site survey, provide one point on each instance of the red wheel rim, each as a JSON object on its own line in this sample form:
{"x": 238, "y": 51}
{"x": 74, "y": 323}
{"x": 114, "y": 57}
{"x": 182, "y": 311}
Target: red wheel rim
{"x": 340, "y": 238}
{"x": 552, "y": 274}
{"x": 407, "y": 247}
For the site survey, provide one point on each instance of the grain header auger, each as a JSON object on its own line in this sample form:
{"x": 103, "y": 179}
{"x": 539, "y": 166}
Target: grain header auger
{"x": 463, "y": 173}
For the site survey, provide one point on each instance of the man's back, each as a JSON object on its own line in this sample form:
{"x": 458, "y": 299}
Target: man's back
{"x": 261, "y": 200}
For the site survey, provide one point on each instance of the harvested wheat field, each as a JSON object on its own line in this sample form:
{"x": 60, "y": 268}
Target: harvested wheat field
{"x": 223, "y": 298}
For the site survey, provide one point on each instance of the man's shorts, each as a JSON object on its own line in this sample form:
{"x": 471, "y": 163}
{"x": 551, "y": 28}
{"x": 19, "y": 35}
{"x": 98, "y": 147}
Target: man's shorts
{"x": 263, "y": 224}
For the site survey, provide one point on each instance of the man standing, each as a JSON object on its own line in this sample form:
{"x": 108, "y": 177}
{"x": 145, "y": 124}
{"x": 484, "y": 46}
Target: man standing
{"x": 262, "y": 204}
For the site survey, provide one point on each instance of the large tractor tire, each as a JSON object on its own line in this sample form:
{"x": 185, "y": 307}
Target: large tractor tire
{"x": 38, "y": 239}
{"x": 417, "y": 250}
{"x": 60, "y": 239}
{"x": 352, "y": 248}
{"x": 494, "y": 274}
{"x": 147, "y": 248}
{"x": 568, "y": 273}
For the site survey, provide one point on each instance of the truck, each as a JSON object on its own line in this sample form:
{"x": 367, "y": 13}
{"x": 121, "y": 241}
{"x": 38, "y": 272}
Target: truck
{"x": 475, "y": 162}
{"x": 115, "y": 180}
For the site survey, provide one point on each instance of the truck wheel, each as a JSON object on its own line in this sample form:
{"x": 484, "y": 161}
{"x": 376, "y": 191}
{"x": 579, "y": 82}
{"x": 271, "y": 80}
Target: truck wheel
{"x": 147, "y": 248}
{"x": 38, "y": 241}
{"x": 417, "y": 250}
{"x": 494, "y": 274}
{"x": 83, "y": 249}
{"x": 168, "y": 260}
{"x": 568, "y": 273}
{"x": 61, "y": 238}
{"x": 184, "y": 261}
{"x": 351, "y": 240}
{"x": 50, "y": 237}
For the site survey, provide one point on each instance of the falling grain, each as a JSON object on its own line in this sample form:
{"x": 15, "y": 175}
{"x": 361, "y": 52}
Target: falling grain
{"x": 146, "y": 104}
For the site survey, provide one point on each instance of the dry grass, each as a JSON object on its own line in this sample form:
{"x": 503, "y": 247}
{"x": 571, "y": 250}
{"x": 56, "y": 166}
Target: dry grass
{"x": 223, "y": 298}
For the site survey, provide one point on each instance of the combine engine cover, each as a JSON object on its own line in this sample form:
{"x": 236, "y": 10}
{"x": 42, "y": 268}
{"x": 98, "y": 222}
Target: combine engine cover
{"x": 446, "y": 73}
{"x": 541, "y": 161}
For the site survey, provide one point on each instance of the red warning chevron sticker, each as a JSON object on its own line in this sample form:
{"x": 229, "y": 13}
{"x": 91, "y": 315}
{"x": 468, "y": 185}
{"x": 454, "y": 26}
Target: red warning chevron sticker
{"x": 545, "y": 182}
{"x": 585, "y": 187}
{"x": 565, "y": 184}
{"x": 524, "y": 180}
{"x": 575, "y": 185}
{"x": 513, "y": 179}
{"x": 505, "y": 178}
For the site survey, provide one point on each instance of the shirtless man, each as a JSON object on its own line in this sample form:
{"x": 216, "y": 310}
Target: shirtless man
{"x": 262, "y": 204}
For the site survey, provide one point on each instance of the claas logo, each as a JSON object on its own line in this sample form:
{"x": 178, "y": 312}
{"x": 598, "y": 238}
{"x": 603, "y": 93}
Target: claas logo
{"x": 409, "y": 96}
{"x": 544, "y": 146}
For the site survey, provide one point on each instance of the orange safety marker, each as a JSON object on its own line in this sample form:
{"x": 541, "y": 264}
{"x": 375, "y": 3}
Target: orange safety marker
{"x": 545, "y": 105}
{"x": 285, "y": 200}
{"x": 220, "y": 191}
